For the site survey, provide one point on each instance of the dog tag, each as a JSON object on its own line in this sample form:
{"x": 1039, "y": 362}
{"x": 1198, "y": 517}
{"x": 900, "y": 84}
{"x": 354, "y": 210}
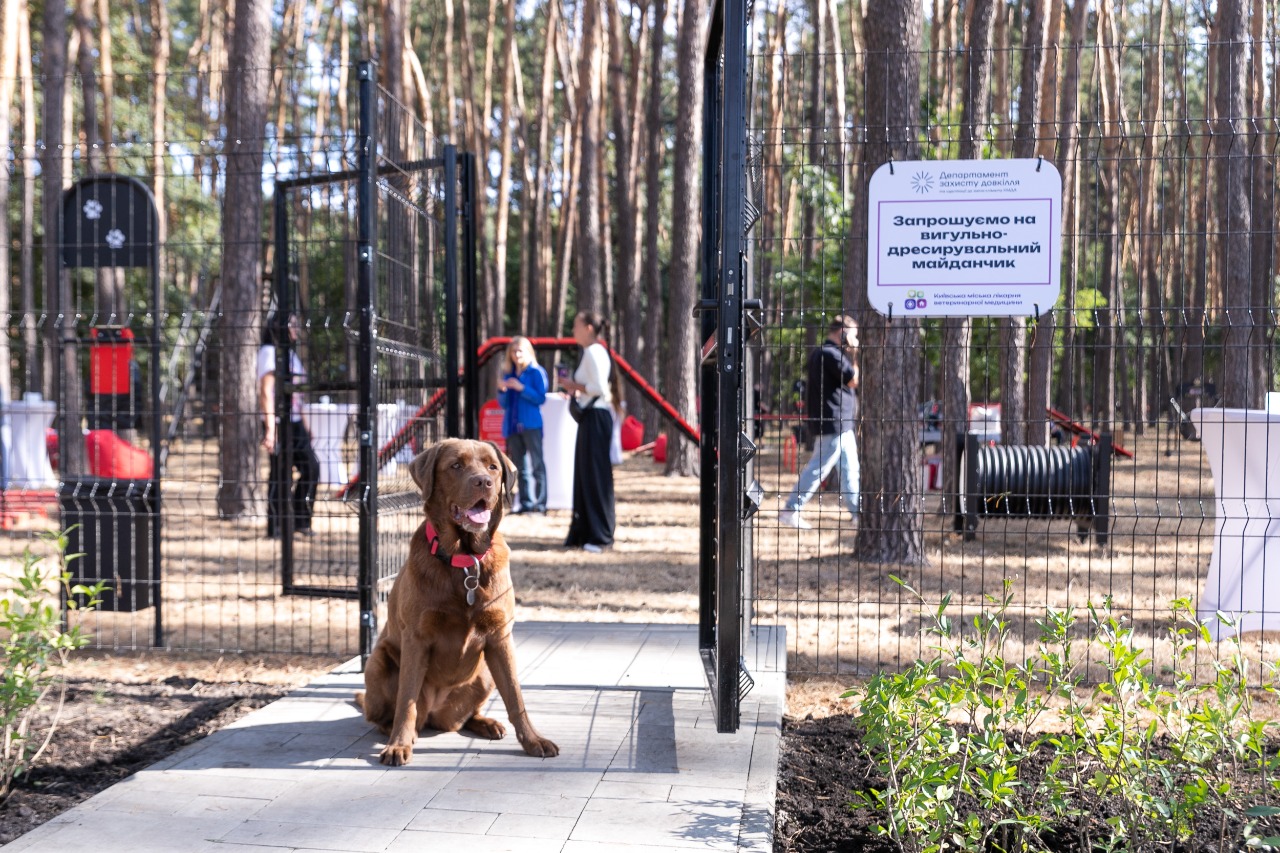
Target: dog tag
{"x": 471, "y": 582}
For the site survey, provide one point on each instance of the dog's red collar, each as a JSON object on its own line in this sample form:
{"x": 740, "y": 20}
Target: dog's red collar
{"x": 458, "y": 561}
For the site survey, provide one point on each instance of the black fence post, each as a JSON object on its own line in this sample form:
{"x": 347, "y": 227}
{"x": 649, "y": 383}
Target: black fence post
{"x": 707, "y": 380}
{"x": 972, "y": 487}
{"x": 1102, "y": 488}
{"x": 283, "y": 479}
{"x": 366, "y": 411}
{"x": 451, "y": 386}
{"x": 470, "y": 321}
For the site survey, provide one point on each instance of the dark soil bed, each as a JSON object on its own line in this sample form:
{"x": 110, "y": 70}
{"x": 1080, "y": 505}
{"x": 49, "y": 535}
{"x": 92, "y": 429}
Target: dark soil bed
{"x": 822, "y": 764}
{"x": 111, "y": 730}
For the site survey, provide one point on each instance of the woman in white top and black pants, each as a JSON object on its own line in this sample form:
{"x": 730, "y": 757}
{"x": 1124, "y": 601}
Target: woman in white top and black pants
{"x": 303, "y": 457}
{"x": 593, "y": 510}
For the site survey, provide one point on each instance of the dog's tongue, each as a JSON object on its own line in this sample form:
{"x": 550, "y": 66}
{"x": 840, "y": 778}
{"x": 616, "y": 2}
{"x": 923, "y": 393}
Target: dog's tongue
{"x": 477, "y": 516}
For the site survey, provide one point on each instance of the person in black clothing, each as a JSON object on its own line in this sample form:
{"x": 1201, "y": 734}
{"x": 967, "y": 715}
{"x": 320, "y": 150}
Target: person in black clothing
{"x": 832, "y": 406}
{"x": 594, "y": 385}
{"x": 303, "y": 456}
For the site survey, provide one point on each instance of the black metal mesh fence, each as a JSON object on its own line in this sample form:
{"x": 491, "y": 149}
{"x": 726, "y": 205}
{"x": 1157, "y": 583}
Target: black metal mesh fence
{"x": 1151, "y": 326}
{"x": 220, "y": 581}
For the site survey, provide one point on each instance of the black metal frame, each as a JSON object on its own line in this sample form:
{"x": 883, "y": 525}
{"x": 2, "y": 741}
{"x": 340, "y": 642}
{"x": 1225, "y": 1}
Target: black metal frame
{"x": 725, "y": 449}
{"x": 459, "y": 291}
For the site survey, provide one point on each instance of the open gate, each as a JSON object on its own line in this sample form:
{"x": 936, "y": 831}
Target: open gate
{"x": 407, "y": 325}
{"x": 729, "y": 495}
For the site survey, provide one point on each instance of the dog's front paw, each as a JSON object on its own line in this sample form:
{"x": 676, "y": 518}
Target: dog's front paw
{"x": 540, "y": 747}
{"x": 396, "y": 755}
{"x": 486, "y": 727}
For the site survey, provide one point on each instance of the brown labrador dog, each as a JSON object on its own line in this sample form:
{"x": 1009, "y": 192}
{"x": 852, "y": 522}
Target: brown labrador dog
{"x": 447, "y": 640}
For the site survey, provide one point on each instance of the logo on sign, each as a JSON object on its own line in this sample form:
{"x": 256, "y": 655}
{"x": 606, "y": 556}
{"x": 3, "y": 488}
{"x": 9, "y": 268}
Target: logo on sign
{"x": 922, "y": 182}
{"x": 93, "y": 209}
{"x": 115, "y": 238}
{"x": 915, "y": 299}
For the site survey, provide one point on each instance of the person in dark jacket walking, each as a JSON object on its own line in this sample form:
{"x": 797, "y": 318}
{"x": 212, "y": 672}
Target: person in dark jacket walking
{"x": 522, "y": 390}
{"x": 832, "y": 407}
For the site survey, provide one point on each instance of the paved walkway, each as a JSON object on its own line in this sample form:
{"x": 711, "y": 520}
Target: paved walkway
{"x": 641, "y": 768}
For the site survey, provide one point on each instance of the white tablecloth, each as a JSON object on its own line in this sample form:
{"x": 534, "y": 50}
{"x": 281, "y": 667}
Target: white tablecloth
{"x": 26, "y": 455}
{"x": 327, "y": 423}
{"x": 559, "y": 434}
{"x": 1243, "y": 449}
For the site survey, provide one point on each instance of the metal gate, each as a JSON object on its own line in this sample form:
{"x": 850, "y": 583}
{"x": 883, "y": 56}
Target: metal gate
{"x": 726, "y": 499}
{"x": 408, "y": 332}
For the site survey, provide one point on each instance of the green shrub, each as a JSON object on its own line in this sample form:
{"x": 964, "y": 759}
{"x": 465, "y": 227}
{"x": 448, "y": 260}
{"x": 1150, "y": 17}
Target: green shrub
{"x": 985, "y": 753}
{"x": 36, "y": 645}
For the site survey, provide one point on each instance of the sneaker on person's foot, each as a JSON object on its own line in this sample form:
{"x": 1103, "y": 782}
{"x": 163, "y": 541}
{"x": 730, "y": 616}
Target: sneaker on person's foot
{"x": 791, "y": 518}
{"x": 592, "y": 548}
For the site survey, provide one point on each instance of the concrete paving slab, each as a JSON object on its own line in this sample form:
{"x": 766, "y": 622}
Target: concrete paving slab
{"x": 641, "y": 768}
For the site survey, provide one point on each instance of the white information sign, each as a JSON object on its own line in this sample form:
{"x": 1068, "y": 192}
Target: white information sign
{"x": 964, "y": 238}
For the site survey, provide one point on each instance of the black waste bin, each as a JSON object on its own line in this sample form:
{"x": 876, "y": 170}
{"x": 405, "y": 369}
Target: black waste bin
{"x": 112, "y": 528}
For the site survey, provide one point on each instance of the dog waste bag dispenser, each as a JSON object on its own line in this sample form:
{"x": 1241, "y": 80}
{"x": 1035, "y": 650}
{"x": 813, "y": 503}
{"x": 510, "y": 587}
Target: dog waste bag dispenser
{"x": 109, "y": 221}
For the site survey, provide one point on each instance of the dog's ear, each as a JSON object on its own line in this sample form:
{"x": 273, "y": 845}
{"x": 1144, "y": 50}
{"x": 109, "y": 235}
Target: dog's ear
{"x": 423, "y": 470}
{"x": 508, "y": 473}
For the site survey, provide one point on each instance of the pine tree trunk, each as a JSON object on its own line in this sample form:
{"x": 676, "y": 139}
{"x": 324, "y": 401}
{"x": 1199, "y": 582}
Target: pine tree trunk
{"x": 9, "y": 27}
{"x": 247, "y": 82}
{"x": 651, "y": 357}
{"x": 589, "y": 250}
{"x": 30, "y": 330}
{"x": 107, "y": 132}
{"x": 506, "y": 163}
{"x": 891, "y": 529}
{"x": 630, "y": 301}
{"x": 1013, "y": 332}
{"x": 1068, "y": 154}
{"x": 957, "y": 332}
{"x": 541, "y": 252}
{"x": 54, "y": 52}
{"x": 682, "y": 353}
{"x": 1238, "y": 388}
{"x": 159, "y": 106}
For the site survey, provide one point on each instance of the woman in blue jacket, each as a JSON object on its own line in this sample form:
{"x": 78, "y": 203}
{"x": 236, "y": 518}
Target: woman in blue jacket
{"x": 521, "y": 393}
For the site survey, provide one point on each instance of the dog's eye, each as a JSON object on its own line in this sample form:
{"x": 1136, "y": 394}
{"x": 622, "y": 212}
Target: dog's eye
{"x": 455, "y": 466}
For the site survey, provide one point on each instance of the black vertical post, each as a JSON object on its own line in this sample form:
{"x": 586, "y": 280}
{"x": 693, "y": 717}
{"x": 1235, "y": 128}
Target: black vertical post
{"x": 971, "y": 491}
{"x": 729, "y": 365}
{"x": 708, "y": 380}
{"x": 284, "y": 377}
{"x": 451, "y": 406}
{"x": 470, "y": 319}
{"x": 366, "y": 421}
{"x": 156, "y": 325}
{"x": 1102, "y": 488}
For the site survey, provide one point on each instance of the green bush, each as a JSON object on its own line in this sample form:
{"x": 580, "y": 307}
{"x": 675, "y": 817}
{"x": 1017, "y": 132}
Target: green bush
{"x": 36, "y": 645}
{"x": 984, "y": 753}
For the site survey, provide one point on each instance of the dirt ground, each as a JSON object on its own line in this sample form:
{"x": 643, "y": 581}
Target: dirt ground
{"x": 844, "y": 619}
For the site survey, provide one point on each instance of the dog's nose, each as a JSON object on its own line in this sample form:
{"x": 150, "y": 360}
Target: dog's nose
{"x": 483, "y": 481}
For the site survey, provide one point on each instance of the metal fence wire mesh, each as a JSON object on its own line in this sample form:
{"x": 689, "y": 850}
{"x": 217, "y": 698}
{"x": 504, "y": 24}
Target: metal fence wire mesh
{"x": 1149, "y": 327}
{"x": 224, "y": 581}
{"x": 1167, "y": 307}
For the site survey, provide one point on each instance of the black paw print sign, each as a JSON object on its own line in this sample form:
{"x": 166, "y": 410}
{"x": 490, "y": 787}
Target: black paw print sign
{"x": 108, "y": 221}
